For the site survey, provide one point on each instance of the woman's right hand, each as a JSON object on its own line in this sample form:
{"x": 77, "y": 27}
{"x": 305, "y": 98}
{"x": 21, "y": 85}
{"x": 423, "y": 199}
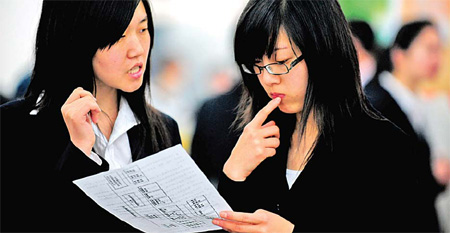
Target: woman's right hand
{"x": 76, "y": 111}
{"x": 256, "y": 143}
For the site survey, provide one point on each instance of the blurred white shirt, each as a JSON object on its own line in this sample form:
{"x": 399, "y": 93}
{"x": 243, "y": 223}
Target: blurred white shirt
{"x": 429, "y": 116}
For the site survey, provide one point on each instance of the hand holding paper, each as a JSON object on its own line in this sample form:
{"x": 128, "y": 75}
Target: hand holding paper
{"x": 165, "y": 192}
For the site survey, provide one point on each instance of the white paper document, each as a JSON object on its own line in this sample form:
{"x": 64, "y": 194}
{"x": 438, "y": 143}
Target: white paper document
{"x": 164, "y": 192}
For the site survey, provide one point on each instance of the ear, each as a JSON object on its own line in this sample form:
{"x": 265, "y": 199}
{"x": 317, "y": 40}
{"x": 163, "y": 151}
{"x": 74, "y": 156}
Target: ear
{"x": 397, "y": 56}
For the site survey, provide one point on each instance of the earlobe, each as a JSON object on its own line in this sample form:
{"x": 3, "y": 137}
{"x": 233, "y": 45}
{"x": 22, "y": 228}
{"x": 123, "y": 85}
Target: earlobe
{"x": 397, "y": 55}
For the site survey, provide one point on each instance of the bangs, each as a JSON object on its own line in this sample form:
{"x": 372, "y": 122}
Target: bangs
{"x": 116, "y": 16}
{"x": 257, "y": 32}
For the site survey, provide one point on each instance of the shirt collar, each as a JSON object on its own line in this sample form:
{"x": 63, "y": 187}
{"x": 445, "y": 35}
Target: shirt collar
{"x": 404, "y": 97}
{"x": 125, "y": 120}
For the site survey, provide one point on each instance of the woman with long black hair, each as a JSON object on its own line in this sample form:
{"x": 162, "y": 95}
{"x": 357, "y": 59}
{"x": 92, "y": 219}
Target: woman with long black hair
{"x": 313, "y": 155}
{"x": 85, "y": 112}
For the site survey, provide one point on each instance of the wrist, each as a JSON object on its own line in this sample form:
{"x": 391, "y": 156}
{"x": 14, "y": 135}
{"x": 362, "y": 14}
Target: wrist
{"x": 232, "y": 173}
{"x": 86, "y": 149}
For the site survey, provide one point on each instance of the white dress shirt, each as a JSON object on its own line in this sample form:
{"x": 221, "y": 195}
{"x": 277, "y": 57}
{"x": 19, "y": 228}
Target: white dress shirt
{"x": 410, "y": 104}
{"x": 116, "y": 151}
{"x": 429, "y": 117}
{"x": 291, "y": 176}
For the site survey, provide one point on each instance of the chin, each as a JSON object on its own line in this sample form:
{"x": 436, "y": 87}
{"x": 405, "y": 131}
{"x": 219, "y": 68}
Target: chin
{"x": 131, "y": 88}
{"x": 289, "y": 110}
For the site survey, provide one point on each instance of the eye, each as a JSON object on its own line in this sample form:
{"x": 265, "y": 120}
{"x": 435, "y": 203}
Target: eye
{"x": 283, "y": 61}
{"x": 143, "y": 30}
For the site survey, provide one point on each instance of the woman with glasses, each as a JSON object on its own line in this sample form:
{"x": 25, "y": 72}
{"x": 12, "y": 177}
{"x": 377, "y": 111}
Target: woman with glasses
{"x": 313, "y": 155}
{"x": 85, "y": 112}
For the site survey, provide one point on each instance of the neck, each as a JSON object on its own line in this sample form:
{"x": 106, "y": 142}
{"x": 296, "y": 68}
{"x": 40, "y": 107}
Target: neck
{"x": 108, "y": 103}
{"x": 406, "y": 80}
{"x": 302, "y": 145}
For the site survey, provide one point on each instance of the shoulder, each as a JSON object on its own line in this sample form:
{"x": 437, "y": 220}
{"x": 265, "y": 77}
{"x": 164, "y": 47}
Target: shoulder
{"x": 383, "y": 129}
{"x": 15, "y": 110}
{"x": 168, "y": 120}
{"x": 376, "y": 94}
{"x": 14, "y": 105}
{"x": 222, "y": 103}
{"x": 171, "y": 126}
{"x": 371, "y": 136}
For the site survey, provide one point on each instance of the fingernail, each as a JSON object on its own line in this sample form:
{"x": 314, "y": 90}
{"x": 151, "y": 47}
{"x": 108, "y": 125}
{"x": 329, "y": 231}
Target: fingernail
{"x": 223, "y": 214}
{"x": 215, "y": 222}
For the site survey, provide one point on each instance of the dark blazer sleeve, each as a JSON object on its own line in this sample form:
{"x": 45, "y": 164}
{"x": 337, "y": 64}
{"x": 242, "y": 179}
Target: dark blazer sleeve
{"x": 74, "y": 164}
{"x": 235, "y": 193}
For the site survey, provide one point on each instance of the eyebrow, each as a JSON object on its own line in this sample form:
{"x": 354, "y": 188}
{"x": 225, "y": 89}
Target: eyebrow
{"x": 144, "y": 19}
{"x": 280, "y": 48}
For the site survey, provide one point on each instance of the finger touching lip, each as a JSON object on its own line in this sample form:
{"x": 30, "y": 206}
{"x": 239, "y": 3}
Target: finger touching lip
{"x": 275, "y": 95}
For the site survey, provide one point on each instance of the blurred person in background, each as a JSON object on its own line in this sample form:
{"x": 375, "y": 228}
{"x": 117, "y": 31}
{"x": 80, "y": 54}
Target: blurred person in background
{"x": 168, "y": 93}
{"x": 214, "y": 138}
{"x": 366, "y": 48}
{"x": 415, "y": 57}
{"x": 313, "y": 155}
{"x": 84, "y": 112}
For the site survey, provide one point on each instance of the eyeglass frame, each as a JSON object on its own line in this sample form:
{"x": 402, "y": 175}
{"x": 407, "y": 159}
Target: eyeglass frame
{"x": 293, "y": 63}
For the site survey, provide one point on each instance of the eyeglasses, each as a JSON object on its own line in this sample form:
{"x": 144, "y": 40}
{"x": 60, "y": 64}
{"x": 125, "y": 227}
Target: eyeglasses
{"x": 276, "y": 68}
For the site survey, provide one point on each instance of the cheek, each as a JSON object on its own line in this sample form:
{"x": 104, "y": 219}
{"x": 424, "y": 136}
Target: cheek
{"x": 262, "y": 83}
{"x": 299, "y": 84}
{"x": 105, "y": 62}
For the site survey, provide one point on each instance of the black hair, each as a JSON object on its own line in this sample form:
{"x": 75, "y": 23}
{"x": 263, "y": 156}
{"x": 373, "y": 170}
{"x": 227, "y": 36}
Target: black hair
{"x": 69, "y": 34}
{"x": 403, "y": 40}
{"x": 408, "y": 33}
{"x": 320, "y": 30}
{"x": 362, "y": 30}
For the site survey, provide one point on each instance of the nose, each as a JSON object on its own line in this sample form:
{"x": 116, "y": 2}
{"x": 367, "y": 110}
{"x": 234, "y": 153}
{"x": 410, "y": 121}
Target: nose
{"x": 135, "y": 47}
{"x": 269, "y": 79}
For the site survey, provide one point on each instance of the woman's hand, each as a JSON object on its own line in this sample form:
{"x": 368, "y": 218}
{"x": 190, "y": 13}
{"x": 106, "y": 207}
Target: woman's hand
{"x": 256, "y": 143}
{"x": 77, "y": 111}
{"x": 260, "y": 221}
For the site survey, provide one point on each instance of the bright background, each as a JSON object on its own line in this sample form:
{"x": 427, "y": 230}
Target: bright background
{"x": 193, "y": 54}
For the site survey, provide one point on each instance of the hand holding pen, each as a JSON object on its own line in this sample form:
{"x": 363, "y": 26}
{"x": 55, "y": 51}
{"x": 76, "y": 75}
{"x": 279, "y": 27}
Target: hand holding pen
{"x": 78, "y": 111}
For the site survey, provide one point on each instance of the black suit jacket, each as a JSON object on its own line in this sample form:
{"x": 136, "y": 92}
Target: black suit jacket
{"x": 214, "y": 138}
{"x": 364, "y": 181}
{"x": 38, "y": 165}
{"x": 382, "y": 101}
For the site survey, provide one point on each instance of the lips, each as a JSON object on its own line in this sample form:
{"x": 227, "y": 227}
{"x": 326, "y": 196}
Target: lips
{"x": 136, "y": 68}
{"x": 136, "y": 71}
{"x": 275, "y": 95}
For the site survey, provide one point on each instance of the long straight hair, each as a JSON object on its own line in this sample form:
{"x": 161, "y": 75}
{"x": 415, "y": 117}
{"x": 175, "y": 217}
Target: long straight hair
{"x": 320, "y": 31}
{"x": 69, "y": 34}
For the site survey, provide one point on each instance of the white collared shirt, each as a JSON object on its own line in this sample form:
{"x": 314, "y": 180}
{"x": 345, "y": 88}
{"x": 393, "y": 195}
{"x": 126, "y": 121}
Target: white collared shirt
{"x": 291, "y": 176}
{"x": 429, "y": 117}
{"x": 116, "y": 151}
{"x": 410, "y": 104}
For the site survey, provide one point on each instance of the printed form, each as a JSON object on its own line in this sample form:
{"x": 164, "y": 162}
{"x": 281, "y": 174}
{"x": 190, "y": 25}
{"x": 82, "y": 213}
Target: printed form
{"x": 164, "y": 192}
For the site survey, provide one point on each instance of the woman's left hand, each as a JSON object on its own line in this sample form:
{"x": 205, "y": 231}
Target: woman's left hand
{"x": 259, "y": 221}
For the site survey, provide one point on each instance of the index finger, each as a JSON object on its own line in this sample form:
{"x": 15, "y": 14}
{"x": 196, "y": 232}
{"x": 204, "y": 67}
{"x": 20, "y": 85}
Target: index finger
{"x": 262, "y": 115}
{"x": 77, "y": 94}
{"x": 240, "y": 217}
